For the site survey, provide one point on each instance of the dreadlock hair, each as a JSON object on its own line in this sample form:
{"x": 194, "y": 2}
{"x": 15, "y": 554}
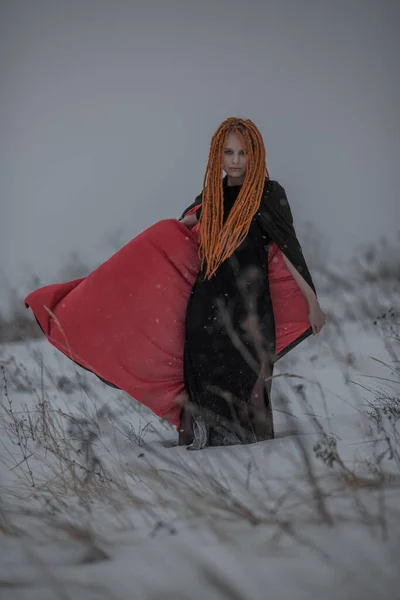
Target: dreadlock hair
{"x": 219, "y": 240}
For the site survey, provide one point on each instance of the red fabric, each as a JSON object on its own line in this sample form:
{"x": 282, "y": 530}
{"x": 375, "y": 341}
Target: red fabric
{"x": 125, "y": 321}
{"x": 289, "y": 305}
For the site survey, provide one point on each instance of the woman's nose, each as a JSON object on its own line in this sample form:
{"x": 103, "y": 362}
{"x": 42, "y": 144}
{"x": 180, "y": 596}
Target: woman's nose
{"x": 235, "y": 159}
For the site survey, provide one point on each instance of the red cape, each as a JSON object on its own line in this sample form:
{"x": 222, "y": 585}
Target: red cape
{"x": 125, "y": 320}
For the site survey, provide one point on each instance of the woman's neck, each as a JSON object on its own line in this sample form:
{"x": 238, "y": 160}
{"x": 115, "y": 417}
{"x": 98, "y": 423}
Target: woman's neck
{"x": 234, "y": 181}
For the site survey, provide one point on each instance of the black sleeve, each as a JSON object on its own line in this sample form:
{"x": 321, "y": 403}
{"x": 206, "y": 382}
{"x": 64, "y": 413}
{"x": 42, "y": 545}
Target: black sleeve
{"x": 198, "y": 211}
{"x": 275, "y": 217}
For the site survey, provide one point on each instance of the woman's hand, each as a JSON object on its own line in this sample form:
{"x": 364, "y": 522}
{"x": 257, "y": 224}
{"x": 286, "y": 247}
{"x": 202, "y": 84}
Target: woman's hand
{"x": 189, "y": 220}
{"x": 316, "y": 316}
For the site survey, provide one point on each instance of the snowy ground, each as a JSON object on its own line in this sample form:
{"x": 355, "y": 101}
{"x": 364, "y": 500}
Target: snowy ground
{"x": 106, "y": 505}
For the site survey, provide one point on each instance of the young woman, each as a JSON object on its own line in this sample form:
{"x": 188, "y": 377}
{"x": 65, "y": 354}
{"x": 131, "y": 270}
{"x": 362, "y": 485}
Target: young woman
{"x": 231, "y": 329}
{"x": 197, "y": 317}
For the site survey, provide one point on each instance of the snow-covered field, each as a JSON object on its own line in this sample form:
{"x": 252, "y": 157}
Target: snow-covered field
{"x": 98, "y": 501}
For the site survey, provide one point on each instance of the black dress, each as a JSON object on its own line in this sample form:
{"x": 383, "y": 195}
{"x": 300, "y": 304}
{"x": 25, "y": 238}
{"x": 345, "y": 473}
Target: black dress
{"x": 229, "y": 349}
{"x": 230, "y": 343}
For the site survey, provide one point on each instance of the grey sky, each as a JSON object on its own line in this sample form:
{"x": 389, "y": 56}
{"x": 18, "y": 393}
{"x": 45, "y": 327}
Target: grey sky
{"x": 107, "y": 110}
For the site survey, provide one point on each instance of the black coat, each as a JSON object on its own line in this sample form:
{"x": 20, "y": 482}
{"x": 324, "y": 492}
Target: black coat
{"x": 230, "y": 330}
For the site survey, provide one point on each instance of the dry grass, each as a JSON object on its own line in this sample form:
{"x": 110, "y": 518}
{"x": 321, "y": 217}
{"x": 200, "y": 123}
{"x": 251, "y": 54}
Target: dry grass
{"x": 72, "y": 455}
{"x": 72, "y": 465}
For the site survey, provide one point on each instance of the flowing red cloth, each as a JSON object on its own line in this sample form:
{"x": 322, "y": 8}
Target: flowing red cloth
{"x": 125, "y": 321}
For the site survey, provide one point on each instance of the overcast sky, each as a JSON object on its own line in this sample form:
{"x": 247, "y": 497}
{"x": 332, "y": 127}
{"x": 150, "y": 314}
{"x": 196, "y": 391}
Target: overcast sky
{"x": 107, "y": 110}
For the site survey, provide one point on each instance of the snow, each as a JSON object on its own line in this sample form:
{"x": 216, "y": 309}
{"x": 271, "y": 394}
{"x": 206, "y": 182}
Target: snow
{"x": 244, "y": 522}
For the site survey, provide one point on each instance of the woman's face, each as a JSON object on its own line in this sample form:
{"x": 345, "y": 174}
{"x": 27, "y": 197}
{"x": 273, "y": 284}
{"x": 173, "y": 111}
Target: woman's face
{"x": 234, "y": 160}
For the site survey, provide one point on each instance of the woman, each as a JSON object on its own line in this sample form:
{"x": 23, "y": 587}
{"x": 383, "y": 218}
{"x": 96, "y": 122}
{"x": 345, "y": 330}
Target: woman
{"x": 244, "y": 306}
{"x": 230, "y": 343}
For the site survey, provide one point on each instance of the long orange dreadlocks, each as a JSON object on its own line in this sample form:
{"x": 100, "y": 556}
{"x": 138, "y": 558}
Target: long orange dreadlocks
{"x": 219, "y": 240}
